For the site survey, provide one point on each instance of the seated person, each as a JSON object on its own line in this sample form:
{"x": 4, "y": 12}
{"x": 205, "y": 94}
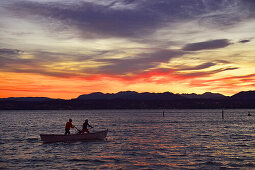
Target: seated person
{"x": 85, "y": 126}
{"x": 68, "y": 126}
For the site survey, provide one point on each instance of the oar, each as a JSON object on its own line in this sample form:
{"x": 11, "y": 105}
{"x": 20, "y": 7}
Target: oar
{"x": 77, "y": 129}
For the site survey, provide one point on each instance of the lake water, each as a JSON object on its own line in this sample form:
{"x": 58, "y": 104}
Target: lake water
{"x": 137, "y": 139}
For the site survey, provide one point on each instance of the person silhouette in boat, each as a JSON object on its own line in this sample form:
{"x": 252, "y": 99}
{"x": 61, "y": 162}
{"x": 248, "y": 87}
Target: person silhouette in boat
{"x": 85, "y": 126}
{"x": 69, "y": 125}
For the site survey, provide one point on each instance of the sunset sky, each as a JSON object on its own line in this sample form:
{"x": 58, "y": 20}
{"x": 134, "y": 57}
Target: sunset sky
{"x": 65, "y": 48}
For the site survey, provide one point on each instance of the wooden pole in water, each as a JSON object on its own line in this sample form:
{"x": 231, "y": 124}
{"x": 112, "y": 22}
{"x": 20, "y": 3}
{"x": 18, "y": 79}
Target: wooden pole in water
{"x": 163, "y": 113}
{"x": 222, "y": 114}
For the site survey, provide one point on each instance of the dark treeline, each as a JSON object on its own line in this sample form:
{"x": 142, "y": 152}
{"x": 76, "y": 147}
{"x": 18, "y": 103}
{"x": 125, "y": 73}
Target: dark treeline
{"x": 133, "y": 100}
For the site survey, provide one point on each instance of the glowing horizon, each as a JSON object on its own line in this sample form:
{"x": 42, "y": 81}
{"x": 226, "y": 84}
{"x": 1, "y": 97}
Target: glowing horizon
{"x": 63, "y": 49}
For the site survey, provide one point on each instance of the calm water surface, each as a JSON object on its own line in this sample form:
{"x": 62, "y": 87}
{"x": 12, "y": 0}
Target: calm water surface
{"x": 137, "y": 139}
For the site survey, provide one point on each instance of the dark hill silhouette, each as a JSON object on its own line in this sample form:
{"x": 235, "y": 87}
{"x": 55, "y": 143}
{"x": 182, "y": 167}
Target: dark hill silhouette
{"x": 132, "y": 95}
{"x": 207, "y": 95}
{"x": 244, "y": 95}
{"x": 93, "y": 96}
{"x": 133, "y": 100}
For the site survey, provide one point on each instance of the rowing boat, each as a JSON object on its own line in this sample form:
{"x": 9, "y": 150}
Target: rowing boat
{"x": 51, "y": 138}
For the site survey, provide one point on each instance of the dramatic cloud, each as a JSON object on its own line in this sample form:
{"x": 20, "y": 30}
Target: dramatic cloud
{"x": 132, "y": 18}
{"x": 139, "y": 63}
{"x": 95, "y": 19}
{"x": 199, "y": 74}
{"x": 207, "y": 45}
{"x": 114, "y": 45}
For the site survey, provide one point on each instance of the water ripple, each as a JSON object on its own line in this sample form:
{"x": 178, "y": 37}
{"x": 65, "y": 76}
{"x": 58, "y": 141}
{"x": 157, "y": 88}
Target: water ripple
{"x": 137, "y": 139}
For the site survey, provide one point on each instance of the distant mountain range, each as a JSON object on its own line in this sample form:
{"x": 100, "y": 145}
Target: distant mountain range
{"x": 127, "y": 95}
{"x": 134, "y": 100}
{"x": 131, "y": 95}
{"x": 207, "y": 95}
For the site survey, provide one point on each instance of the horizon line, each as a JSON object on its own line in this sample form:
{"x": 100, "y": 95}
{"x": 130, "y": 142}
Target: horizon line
{"x": 131, "y": 91}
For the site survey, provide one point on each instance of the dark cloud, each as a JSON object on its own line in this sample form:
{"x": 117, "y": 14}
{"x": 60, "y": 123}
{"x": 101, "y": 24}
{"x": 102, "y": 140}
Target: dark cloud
{"x": 42, "y": 62}
{"x": 199, "y": 67}
{"x": 207, "y": 45}
{"x": 137, "y": 64}
{"x": 207, "y": 73}
{"x": 5, "y": 51}
{"x": 143, "y": 18}
{"x": 249, "y": 5}
{"x": 8, "y": 56}
{"x": 244, "y": 41}
{"x": 223, "y": 61}
{"x": 230, "y": 68}
{"x": 94, "y": 19}
{"x": 225, "y": 14}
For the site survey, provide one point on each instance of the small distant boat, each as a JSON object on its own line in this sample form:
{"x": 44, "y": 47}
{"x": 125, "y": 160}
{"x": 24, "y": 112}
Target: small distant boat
{"x": 51, "y": 138}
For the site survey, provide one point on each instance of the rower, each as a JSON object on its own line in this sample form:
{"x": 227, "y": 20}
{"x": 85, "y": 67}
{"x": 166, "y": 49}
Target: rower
{"x": 68, "y": 126}
{"x": 85, "y": 126}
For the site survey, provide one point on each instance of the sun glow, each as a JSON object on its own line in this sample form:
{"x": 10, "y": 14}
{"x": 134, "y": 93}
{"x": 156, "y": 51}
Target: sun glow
{"x": 62, "y": 50}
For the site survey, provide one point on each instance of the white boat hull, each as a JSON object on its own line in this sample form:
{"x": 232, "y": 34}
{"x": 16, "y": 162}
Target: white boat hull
{"x": 51, "y": 138}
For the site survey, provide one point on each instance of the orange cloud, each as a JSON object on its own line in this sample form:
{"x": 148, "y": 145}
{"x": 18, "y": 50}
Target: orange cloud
{"x": 158, "y": 80}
